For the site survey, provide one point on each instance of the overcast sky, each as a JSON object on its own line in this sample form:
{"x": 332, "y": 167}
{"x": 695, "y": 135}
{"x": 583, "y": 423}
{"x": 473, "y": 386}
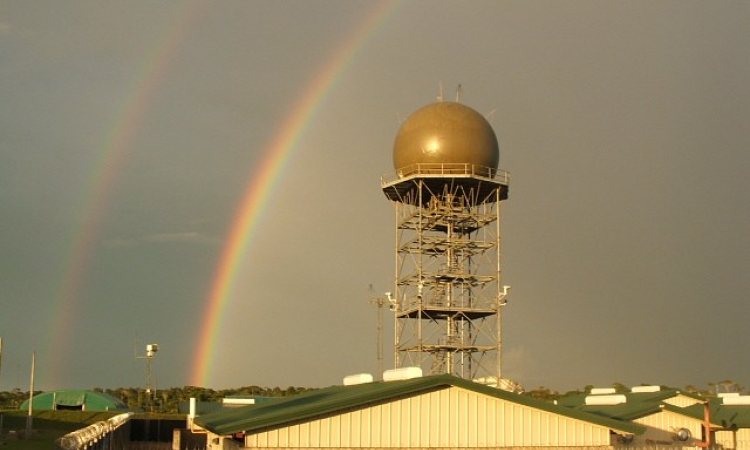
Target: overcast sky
{"x": 129, "y": 132}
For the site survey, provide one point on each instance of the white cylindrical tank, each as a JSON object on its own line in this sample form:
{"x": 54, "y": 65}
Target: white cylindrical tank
{"x": 359, "y": 378}
{"x": 599, "y": 391}
{"x": 736, "y": 400}
{"x": 402, "y": 373}
{"x": 641, "y": 389}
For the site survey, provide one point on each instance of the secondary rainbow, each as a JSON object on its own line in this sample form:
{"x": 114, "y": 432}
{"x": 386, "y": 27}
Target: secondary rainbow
{"x": 105, "y": 170}
{"x": 261, "y": 184}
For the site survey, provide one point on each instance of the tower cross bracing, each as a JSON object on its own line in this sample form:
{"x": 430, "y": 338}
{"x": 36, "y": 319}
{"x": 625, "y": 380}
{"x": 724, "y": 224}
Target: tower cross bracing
{"x": 448, "y": 282}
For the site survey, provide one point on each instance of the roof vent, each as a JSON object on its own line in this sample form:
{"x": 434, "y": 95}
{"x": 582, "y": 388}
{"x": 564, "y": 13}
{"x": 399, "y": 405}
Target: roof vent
{"x": 641, "y": 389}
{"x": 736, "y": 400}
{"x": 728, "y": 394}
{"x": 402, "y": 373}
{"x": 237, "y": 401}
{"x": 599, "y": 391}
{"x": 605, "y": 399}
{"x": 359, "y": 378}
{"x": 501, "y": 383}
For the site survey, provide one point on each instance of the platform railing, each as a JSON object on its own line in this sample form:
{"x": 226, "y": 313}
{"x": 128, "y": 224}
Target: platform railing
{"x": 446, "y": 170}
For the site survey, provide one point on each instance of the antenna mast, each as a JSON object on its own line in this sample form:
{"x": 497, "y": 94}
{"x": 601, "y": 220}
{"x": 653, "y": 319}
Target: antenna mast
{"x": 151, "y": 350}
{"x": 379, "y": 302}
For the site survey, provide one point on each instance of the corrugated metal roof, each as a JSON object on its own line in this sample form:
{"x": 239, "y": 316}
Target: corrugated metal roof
{"x": 335, "y": 399}
{"x": 643, "y": 404}
{"x": 633, "y": 398}
{"x": 88, "y": 400}
{"x": 727, "y": 416}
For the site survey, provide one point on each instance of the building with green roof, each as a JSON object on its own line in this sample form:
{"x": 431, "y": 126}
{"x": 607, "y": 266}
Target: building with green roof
{"x": 671, "y": 417}
{"x": 730, "y": 421}
{"x": 75, "y": 400}
{"x": 426, "y": 412}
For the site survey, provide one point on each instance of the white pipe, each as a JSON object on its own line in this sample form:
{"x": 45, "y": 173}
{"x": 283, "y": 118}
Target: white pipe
{"x": 84, "y": 437}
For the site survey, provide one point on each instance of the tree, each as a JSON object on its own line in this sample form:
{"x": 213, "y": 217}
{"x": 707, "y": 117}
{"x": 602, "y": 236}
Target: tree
{"x": 543, "y": 393}
{"x": 619, "y": 387}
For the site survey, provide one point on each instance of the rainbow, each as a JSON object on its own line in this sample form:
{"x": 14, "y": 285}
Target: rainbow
{"x": 115, "y": 149}
{"x": 262, "y": 183}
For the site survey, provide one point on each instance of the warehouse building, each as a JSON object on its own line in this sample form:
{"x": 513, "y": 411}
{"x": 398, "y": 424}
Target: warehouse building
{"x": 439, "y": 411}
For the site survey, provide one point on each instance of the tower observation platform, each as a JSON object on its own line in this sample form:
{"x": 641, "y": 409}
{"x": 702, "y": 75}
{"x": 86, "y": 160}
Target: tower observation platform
{"x": 448, "y": 292}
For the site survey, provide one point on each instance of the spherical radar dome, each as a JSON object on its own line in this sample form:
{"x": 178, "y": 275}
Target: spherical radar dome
{"x": 445, "y": 133}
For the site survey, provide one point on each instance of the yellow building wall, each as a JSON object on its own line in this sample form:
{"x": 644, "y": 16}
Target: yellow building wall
{"x": 681, "y": 401}
{"x": 734, "y": 440}
{"x": 661, "y": 429}
{"x": 448, "y": 418}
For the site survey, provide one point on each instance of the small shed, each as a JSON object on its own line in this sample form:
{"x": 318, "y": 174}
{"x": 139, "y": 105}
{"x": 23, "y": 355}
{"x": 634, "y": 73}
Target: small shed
{"x": 75, "y": 400}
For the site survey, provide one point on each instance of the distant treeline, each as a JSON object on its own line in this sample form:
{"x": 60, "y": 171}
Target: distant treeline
{"x": 168, "y": 400}
{"x": 711, "y": 390}
{"x": 164, "y": 400}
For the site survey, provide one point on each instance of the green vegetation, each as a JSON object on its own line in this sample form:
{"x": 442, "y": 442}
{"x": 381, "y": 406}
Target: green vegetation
{"x": 167, "y": 401}
{"x": 711, "y": 390}
{"x": 164, "y": 401}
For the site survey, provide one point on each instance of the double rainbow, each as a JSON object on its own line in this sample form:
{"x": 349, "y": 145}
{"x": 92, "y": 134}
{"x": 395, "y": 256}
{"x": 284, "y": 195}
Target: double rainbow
{"x": 115, "y": 150}
{"x": 263, "y": 181}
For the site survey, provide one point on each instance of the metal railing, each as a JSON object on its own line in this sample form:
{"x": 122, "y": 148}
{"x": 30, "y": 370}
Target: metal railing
{"x": 446, "y": 170}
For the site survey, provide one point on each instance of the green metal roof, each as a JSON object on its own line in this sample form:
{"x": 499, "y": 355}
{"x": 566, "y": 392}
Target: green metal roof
{"x": 726, "y": 416}
{"x": 76, "y": 399}
{"x": 309, "y": 405}
{"x": 642, "y": 398}
{"x": 641, "y": 404}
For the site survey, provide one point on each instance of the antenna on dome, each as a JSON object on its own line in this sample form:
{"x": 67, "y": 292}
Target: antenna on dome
{"x": 458, "y": 92}
{"x": 489, "y": 115}
{"x": 440, "y": 91}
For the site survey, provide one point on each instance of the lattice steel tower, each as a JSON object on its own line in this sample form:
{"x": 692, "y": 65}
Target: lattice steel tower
{"x": 448, "y": 294}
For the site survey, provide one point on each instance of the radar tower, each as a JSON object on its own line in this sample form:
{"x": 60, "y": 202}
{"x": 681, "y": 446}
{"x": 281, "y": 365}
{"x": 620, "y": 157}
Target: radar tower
{"x": 448, "y": 292}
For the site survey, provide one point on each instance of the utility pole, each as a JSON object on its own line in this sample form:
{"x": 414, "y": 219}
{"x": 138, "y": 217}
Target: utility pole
{"x": 30, "y": 417}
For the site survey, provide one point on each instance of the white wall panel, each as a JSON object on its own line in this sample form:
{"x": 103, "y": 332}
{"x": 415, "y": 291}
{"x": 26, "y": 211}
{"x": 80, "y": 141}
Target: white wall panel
{"x": 681, "y": 401}
{"x": 734, "y": 440}
{"x": 661, "y": 427}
